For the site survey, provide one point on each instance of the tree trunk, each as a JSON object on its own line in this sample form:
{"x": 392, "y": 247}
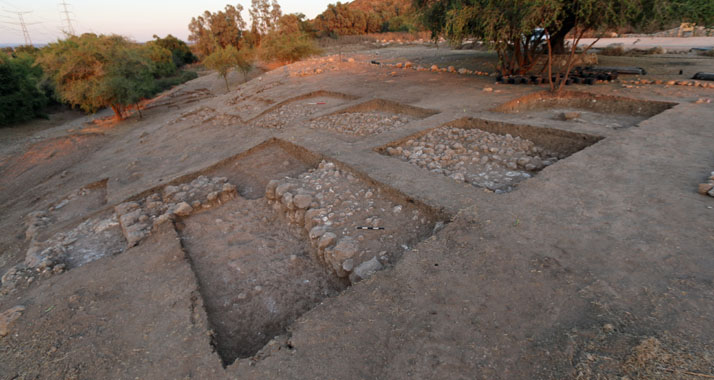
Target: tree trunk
{"x": 139, "y": 111}
{"x": 225, "y": 78}
{"x": 550, "y": 64}
{"x": 117, "y": 112}
{"x": 557, "y": 39}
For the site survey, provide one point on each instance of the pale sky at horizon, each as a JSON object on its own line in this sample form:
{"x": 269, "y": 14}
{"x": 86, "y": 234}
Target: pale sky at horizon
{"x": 138, "y": 20}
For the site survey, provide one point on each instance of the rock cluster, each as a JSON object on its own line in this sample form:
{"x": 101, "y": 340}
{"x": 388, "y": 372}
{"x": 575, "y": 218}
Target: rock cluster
{"x": 361, "y": 123}
{"x": 138, "y": 218}
{"x": 483, "y": 159}
{"x": 289, "y": 113}
{"x": 313, "y": 66}
{"x": 88, "y": 241}
{"x": 688, "y": 83}
{"x": 707, "y": 188}
{"x": 436, "y": 69}
{"x": 330, "y": 205}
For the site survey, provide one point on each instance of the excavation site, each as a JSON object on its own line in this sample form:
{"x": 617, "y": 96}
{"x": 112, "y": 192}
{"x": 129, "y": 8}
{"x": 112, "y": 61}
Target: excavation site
{"x": 388, "y": 207}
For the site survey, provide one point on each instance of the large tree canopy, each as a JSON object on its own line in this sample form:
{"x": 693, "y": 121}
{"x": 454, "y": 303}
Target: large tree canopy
{"x": 517, "y": 28}
{"x": 366, "y": 16}
{"x": 218, "y": 29}
{"x": 92, "y": 72}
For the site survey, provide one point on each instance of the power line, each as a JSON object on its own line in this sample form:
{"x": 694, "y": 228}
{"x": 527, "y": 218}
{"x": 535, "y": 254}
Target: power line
{"x": 23, "y": 25}
{"x": 67, "y": 19}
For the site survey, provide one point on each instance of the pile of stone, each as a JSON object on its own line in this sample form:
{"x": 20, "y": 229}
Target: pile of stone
{"x": 483, "y": 159}
{"x": 436, "y": 69}
{"x": 292, "y": 112}
{"x": 688, "y": 83}
{"x": 90, "y": 240}
{"x": 314, "y": 66}
{"x": 138, "y": 218}
{"x": 330, "y": 205}
{"x": 707, "y": 188}
{"x": 361, "y": 123}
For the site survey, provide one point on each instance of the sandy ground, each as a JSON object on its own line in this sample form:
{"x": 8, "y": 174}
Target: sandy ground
{"x": 597, "y": 267}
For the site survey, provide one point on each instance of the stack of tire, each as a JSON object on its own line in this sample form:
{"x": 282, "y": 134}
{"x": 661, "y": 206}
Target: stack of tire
{"x": 578, "y": 76}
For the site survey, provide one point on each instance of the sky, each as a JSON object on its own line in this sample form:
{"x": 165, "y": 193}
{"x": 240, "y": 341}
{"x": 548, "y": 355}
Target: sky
{"x": 136, "y": 19}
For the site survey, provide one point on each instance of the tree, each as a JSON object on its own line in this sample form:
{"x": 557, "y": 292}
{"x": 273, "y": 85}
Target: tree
{"x": 222, "y": 60}
{"x": 289, "y": 42}
{"x": 180, "y": 52}
{"x": 20, "y": 96}
{"x": 365, "y": 16}
{"x": 219, "y": 29}
{"x": 516, "y": 29}
{"x": 265, "y": 16}
{"x": 92, "y": 72}
{"x": 245, "y": 62}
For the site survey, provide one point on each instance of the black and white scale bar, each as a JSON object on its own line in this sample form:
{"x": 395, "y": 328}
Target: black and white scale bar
{"x": 370, "y": 228}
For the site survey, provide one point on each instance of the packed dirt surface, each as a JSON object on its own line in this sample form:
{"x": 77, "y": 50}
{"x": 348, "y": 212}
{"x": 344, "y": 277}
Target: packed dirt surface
{"x": 338, "y": 218}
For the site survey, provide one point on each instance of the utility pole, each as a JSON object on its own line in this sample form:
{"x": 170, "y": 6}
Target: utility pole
{"x": 25, "y": 32}
{"x": 67, "y": 19}
{"x": 22, "y": 24}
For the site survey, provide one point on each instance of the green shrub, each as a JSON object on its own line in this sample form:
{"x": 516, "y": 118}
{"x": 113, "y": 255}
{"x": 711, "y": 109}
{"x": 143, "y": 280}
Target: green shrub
{"x": 287, "y": 47}
{"x": 20, "y": 97}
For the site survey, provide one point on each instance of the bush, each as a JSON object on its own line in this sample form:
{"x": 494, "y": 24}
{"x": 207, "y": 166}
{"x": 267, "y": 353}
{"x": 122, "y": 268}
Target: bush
{"x": 287, "y": 47}
{"x": 20, "y": 97}
{"x": 180, "y": 52}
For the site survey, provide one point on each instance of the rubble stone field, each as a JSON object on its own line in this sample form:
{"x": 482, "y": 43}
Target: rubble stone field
{"x": 361, "y": 123}
{"x": 356, "y": 217}
{"x": 286, "y": 115}
{"x": 480, "y": 158}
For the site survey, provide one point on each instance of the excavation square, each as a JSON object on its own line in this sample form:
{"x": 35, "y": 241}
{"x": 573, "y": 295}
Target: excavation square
{"x": 265, "y": 257}
{"x": 297, "y": 109}
{"x": 488, "y": 154}
{"x": 607, "y": 111}
{"x": 370, "y": 118}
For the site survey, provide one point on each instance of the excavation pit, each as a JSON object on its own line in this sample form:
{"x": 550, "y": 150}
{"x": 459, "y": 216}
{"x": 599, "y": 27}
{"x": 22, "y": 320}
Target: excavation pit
{"x": 255, "y": 272}
{"x": 370, "y": 118}
{"x": 263, "y": 262}
{"x": 297, "y": 109}
{"x": 612, "y": 112}
{"x": 488, "y": 154}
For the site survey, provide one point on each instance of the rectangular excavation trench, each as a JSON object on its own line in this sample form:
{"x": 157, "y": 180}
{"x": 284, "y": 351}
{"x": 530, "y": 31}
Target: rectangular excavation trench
{"x": 370, "y": 118}
{"x": 297, "y": 109}
{"x": 608, "y": 111}
{"x": 488, "y": 154}
{"x": 263, "y": 259}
